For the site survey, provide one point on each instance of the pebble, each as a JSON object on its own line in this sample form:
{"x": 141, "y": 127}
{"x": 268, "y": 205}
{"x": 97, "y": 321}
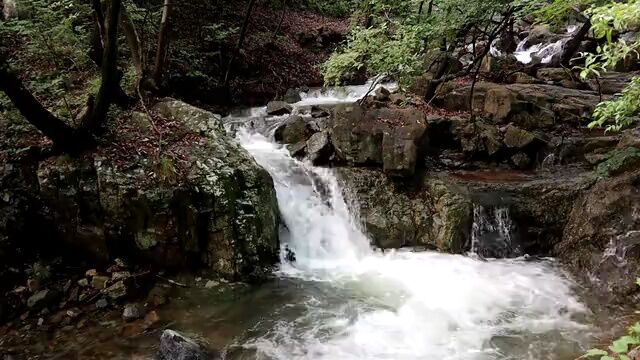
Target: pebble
{"x": 132, "y": 312}
{"x": 102, "y": 303}
{"x": 211, "y": 284}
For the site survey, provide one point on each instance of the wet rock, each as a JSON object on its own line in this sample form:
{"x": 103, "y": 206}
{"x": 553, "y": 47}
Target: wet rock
{"x": 99, "y": 282}
{"x": 151, "y": 319}
{"x": 278, "y": 108}
{"x": 298, "y": 149}
{"x": 42, "y": 299}
{"x": 435, "y": 214}
{"x": 116, "y": 291}
{"x": 398, "y": 99}
{"x": 222, "y": 215}
{"x": 318, "y": 148}
{"x": 611, "y": 82}
{"x": 83, "y": 282}
{"x": 601, "y": 243}
{"x": 296, "y": 129}
{"x": 559, "y": 76}
{"x": 401, "y": 147}
{"x": 120, "y": 275}
{"x": 102, "y": 304}
{"x": 521, "y": 160}
{"x": 158, "y": 295}
{"x": 175, "y": 346}
{"x": 515, "y": 137}
{"x": 133, "y": 312}
{"x": 292, "y": 96}
{"x": 530, "y": 106}
{"x": 382, "y": 94}
{"x": 358, "y": 136}
{"x": 318, "y": 112}
{"x": 522, "y": 78}
{"x": 211, "y": 284}
{"x": 33, "y": 285}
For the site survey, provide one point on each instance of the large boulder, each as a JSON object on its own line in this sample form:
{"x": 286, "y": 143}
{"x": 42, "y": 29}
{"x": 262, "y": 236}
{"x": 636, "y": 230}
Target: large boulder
{"x": 393, "y": 138}
{"x": 278, "y": 108}
{"x": 220, "y": 212}
{"x": 294, "y": 130}
{"x": 601, "y": 242}
{"x": 436, "y": 215}
{"x": 530, "y": 106}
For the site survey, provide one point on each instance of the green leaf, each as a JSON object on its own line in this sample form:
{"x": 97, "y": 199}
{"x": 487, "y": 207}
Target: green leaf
{"x": 621, "y": 345}
{"x": 595, "y": 352}
{"x": 624, "y": 357}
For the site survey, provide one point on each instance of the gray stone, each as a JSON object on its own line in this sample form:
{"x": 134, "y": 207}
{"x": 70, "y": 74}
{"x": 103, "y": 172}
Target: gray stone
{"x": 318, "y": 148}
{"x": 515, "y": 137}
{"x": 278, "y": 108}
{"x": 102, "y": 304}
{"x": 382, "y": 94}
{"x": 295, "y": 129}
{"x": 41, "y": 299}
{"x": 400, "y": 148}
{"x": 292, "y": 96}
{"x": 133, "y": 312}
{"x": 521, "y": 160}
{"x": 175, "y": 346}
{"x": 116, "y": 291}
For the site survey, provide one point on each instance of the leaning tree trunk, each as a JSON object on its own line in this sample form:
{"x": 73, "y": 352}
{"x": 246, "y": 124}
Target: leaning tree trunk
{"x": 243, "y": 34}
{"x": 163, "y": 43}
{"x": 110, "y": 79}
{"x": 52, "y": 127}
{"x": 133, "y": 40}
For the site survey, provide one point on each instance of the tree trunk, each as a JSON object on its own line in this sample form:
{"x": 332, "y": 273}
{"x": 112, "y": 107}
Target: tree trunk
{"x": 572, "y": 45}
{"x": 133, "y": 40}
{"x": 110, "y": 79}
{"x": 243, "y": 34}
{"x": 163, "y": 43}
{"x": 55, "y": 129}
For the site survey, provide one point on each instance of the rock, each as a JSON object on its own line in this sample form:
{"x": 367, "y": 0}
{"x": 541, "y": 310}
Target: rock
{"x": 436, "y": 215}
{"x": 358, "y": 133}
{"x": 277, "y": 108}
{"x": 175, "y": 346}
{"x": 611, "y": 82}
{"x": 83, "y": 282}
{"x": 99, "y": 282}
{"x": 398, "y": 99}
{"x": 151, "y": 319}
{"x": 102, "y": 304}
{"x": 33, "y": 285}
{"x": 132, "y": 312}
{"x": 42, "y": 299}
{"x": 559, "y": 76}
{"x": 120, "y": 275}
{"x": 221, "y": 216}
{"x": 318, "y": 148}
{"x": 158, "y": 295}
{"x": 522, "y": 78}
{"x": 521, "y": 160}
{"x": 211, "y": 284}
{"x": 515, "y": 137}
{"x": 618, "y": 161}
{"x": 529, "y": 106}
{"x": 296, "y": 129}
{"x": 116, "y": 291}
{"x": 479, "y": 138}
{"x": 381, "y": 94}
{"x": 298, "y": 149}
{"x": 634, "y": 354}
{"x": 91, "y": 273}
{"x": 292, "y": 96}
{"x": 600, "y": 243}
{"x": 400, "y": 149}
{"x": 318, "y": 112}
{"x": 630, "y": 138}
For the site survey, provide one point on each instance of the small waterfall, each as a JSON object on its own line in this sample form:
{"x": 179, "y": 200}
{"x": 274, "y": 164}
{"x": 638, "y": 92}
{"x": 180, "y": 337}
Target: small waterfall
{"x": 492, "y": 233}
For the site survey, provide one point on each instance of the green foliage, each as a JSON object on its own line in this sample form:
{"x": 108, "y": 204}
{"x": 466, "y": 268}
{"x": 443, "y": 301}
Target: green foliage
{"x": 619, "y": 348}
{"x": 403, "y": 32}
{"x": 606, "y": 21}
{"x": 621, "y": 112}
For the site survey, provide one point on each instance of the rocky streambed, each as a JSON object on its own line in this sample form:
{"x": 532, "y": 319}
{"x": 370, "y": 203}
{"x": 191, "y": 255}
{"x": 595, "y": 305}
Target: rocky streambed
{"x": 519, "y": 184}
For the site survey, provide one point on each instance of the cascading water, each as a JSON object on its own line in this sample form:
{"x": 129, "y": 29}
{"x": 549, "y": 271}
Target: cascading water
{"x": 492, "y": 232}
{"x": 353, "y": 302}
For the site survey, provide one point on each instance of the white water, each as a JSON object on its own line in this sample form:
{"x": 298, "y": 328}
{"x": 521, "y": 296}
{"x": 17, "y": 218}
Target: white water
{"x": 400, "y": 305}
{"x": 364, "y": 304}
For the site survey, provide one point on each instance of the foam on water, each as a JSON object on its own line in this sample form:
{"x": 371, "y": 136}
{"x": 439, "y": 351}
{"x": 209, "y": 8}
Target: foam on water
{"x": 399, "y": 304}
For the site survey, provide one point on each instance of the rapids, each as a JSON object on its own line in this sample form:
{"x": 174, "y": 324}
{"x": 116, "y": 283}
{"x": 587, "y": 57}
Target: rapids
{"x": 347, "y": 300}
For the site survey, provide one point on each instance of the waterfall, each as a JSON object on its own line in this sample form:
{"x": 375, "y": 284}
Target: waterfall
{"x": 492, "y": 232}
{"x": 359, "y": 303}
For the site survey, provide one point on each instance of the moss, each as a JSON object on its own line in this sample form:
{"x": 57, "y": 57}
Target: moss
{"x": 618, "y": 161}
